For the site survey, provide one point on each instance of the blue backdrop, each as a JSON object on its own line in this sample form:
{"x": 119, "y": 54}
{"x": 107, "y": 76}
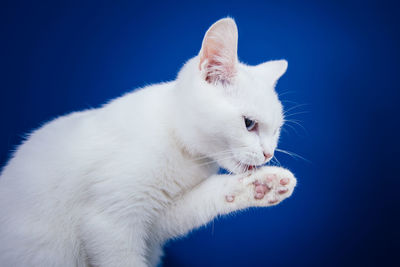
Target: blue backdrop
{"x": 343, "y": 63}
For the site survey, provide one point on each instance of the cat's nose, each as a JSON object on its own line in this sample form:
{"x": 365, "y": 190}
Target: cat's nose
{"x": 267, "y": 156}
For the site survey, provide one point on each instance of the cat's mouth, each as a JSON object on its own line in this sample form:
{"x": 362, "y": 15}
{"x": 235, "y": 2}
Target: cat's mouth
{"x": 250, "y": 167}
{"x": 238, "y": 167}
{"x": 243, "y": 168}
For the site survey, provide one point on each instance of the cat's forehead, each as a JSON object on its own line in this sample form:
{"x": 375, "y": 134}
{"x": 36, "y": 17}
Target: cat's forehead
{"x": 252, "y": 76}
{"x": 257, "y": 98}
{"x": 256, "y": 86}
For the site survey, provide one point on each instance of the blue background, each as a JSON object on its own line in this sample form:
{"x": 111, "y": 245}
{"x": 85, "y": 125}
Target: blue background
{"x": 343, "y": 63}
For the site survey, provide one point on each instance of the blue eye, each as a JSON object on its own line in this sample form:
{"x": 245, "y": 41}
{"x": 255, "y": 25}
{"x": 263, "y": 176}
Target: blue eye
{"x": 250, "y": 124}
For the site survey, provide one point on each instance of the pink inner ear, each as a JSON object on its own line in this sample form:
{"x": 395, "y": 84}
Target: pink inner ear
{"x": 218, "y": 55}
{"x": 217, "y": 71}
{"x": 215, "y": 77}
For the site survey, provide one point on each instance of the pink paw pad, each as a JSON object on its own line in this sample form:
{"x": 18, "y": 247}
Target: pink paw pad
{"x": 261, "y": 190}
{"x": 273, "y": 201}
{"x": 284, "y": 181}
{"x": 283, "y": 190}
{"x": 230, "y": 198}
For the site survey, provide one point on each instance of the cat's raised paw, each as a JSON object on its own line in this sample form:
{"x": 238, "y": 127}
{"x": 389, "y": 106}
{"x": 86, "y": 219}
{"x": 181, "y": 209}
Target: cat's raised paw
{"x": 265, "y": 187}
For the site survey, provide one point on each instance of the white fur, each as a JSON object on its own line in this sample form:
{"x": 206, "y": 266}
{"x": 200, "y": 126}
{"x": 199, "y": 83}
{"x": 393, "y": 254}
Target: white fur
{"x": 108, "y": 186}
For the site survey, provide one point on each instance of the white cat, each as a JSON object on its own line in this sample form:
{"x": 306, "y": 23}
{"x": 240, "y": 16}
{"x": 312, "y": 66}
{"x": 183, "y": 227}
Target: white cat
{"x": 108, "y": 186}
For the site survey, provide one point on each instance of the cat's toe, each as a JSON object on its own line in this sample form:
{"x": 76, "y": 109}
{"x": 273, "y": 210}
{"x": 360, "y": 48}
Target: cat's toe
{"x": 260, "y": 190}
{"x": 284, "y": 181}
{"x": 259, "y": 196}
{"x": 282, "y": 190}
{"x": 230, "y": 198}
{"x": 273, "y": 200}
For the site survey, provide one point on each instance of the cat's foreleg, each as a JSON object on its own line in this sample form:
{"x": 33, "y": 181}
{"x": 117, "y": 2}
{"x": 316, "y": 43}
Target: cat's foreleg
{"x": 222, "y": 194}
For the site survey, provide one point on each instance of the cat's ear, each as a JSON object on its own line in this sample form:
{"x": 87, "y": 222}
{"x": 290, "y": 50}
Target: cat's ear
{"x": 218, "y": 54}
{"x": 272, "y": 70}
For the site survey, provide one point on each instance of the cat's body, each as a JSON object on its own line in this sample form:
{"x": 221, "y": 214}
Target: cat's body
{"x": 108, "y": 186}
{"x": 79, "y": 185}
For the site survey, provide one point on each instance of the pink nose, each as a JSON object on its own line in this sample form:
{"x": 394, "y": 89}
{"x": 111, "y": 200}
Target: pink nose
{"x": 267, "y": 156}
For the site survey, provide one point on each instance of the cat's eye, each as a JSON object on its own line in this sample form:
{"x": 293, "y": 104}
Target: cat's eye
{"x": 250, "y": 124}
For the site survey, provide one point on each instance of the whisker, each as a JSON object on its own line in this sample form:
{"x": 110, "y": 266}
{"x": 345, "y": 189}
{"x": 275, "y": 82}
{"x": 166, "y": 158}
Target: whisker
{"x": 211, "y": 155}
{"x": 289, "y": 101}
{"x": 296, "y": 113}
{"x": 223, "y": 152}
{"x": 294, "y": 107}
{"x": 291, "y": 127}
{"x": 275, "y": 158}
{"x": 297, "y": 123}
{"x": 285, "y": 93}
{"x": 283, "y": 129}
{"x": 292, "y": 120}
{"x": 292, "y": 154}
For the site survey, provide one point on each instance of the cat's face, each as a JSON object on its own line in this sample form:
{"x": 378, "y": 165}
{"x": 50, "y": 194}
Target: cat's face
{"x": 231, "y": 111}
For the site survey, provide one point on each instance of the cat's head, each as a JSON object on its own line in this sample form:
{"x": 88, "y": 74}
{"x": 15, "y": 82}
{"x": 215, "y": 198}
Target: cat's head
{"x": 229, "y": 111}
